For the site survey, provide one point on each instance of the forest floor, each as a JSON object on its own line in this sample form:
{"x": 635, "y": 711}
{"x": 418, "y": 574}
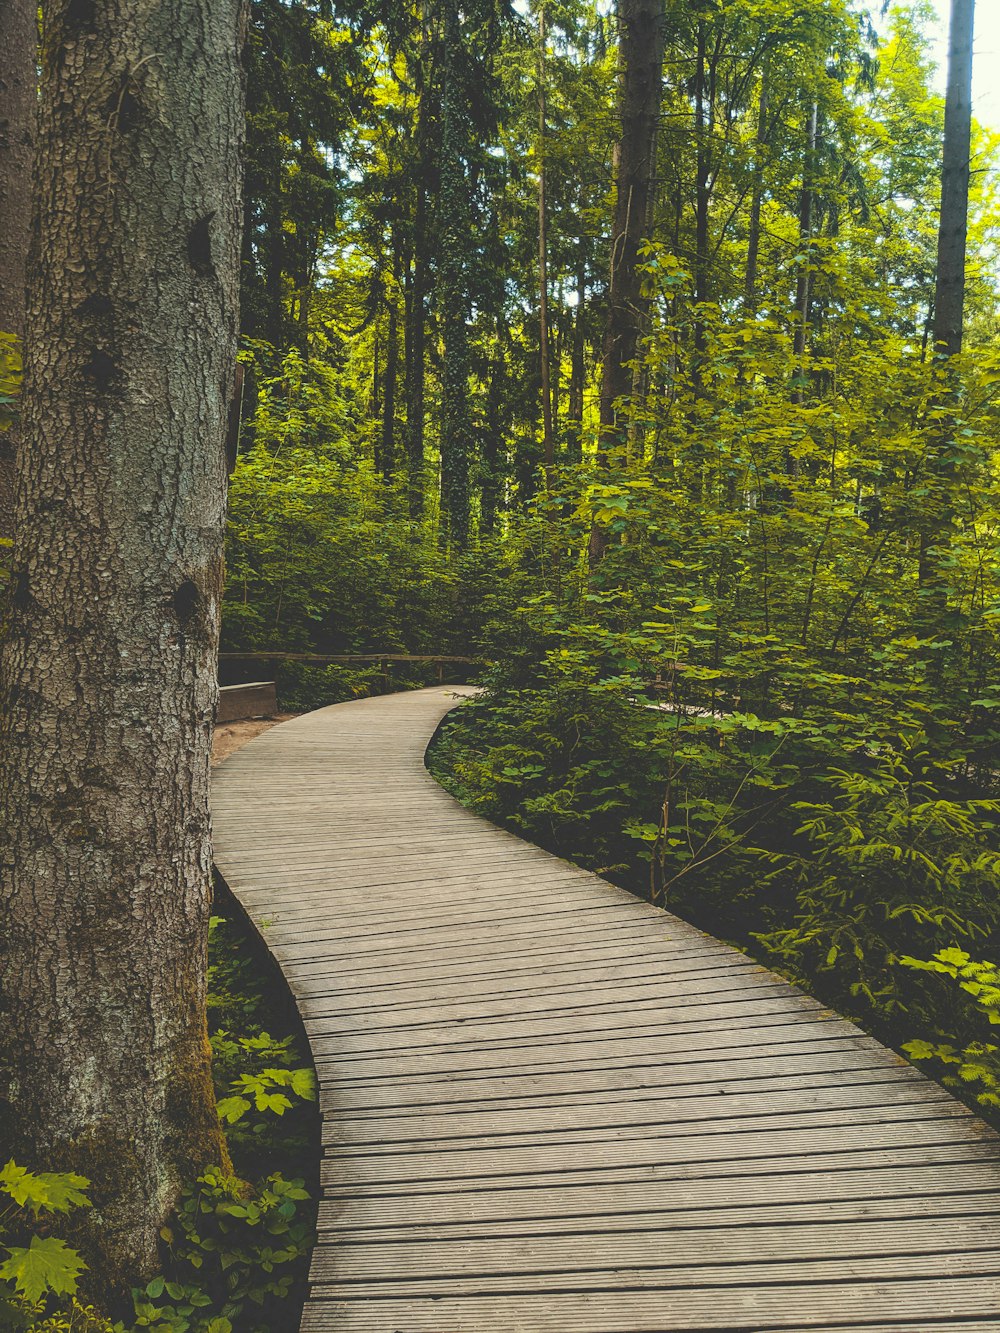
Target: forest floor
{"x": 231, "y": 736}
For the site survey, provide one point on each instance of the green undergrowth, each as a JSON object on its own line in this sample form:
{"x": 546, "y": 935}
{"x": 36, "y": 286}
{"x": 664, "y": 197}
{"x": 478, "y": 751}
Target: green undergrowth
{"x": 848, "y": 846}
{"x": 236, "y": 1251}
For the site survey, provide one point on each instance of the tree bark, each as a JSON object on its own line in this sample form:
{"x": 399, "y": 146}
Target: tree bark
{"x": 108, "y": 669}
{"x": 454, "y": 237}
{"x": 753, "y": 233}
{"x": 548, "y": 439}
{"x": 578, "y": 365}
{"x": 949, "y": 298}
{"x": 19, "y": 44}
{"x": 937, "y": 516}
{"x": 415, "y": 332}
{"x": 388, "y": 466}
{"x": 642, "y": 38}
{"x": 803, "y": 281}
{"x": 701, "y": 198}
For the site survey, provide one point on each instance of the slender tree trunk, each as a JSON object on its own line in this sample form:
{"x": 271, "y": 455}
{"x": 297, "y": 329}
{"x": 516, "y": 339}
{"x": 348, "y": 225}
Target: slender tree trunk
{"x": 753, "y": 235}
{"x": 548, "y": 438}
{"x": 453, "y": 277}
{"x": 642, "y": 37}
{"x": 375, "y": 401}
{"x": 949, "y": 298}
{"x": 274, "y": 265}
{"x": 578, "y": 368}
{"x": 803, "y": 281}
{"x": 702, "y": 176}
{"x": 416, "y": 332}
{"x": 19, "y": 44}
{"x": 389, "y": 395}
{"x": 949, "y": 307}
{"x": 493, "y": 438}
{"x": 108, "y": 669}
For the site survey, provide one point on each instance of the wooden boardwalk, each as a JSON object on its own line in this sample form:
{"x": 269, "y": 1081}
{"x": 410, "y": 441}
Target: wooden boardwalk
{"x": 551, "y": 1108}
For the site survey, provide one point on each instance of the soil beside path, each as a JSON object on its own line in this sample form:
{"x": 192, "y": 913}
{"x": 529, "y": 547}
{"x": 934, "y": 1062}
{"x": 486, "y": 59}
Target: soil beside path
{"x": 232, "y": 736}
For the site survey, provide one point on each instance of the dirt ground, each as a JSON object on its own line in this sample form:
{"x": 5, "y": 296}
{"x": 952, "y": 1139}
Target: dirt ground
{"x": 230, "y": 736}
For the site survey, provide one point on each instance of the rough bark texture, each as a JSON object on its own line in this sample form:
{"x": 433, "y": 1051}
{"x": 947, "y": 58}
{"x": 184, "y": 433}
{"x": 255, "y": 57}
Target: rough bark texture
{"x": 454, "y": 238}
{"x": 107, "y": 674}
{"x": 19, "y": 48}
{"x": 415, "y": 332}
{"x": 643, "y": 35}
{"x": 642, "y": 38}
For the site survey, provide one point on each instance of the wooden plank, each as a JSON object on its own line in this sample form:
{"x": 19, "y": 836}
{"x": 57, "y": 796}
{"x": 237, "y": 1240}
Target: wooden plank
{"x": 553, "y": 1206}
{"x": 364, "y": 1084}
{"x": 803, "y": 1305}
{"x": 654, "y": 1257}
{"x": 888, "y": 1198}
{"x": 716, "y": 1150}
{"x": 662, "y": 1113}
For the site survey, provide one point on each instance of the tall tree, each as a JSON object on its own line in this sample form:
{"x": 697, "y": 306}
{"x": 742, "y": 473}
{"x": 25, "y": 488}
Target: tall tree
{"x": 548, "y": 439}
{"x": 949, "y": 298}
{"x": 108, "y": 669}
{"x": 19, "y": 43}
{"x": 642, "y": 39}
{"x": 949, "y": 302}
{"x": 642, "y": 36}
{"x": 453, "y": 287}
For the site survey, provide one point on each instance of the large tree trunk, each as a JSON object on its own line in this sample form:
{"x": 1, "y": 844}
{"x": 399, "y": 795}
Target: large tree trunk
{"x": 19, "y": 44}
{"x": 108, "y": 670}
{"x": 642, "y": 37}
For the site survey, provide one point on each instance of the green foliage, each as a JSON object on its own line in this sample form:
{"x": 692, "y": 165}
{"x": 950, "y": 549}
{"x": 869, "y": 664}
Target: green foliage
{"x": 235, "y": 1253}
{"x": 46, "y": 1264}
{"x": 40, "y": 1270}
{"x": 889, "y": 864}
{"x": 969, "y": 1061}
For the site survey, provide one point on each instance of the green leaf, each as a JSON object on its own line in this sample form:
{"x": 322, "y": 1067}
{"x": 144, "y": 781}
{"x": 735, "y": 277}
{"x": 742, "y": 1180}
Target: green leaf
{"x": 304, "y": 1084}
{"x": 231, "y": 1109}
{"x": 47, "y": 1264}
{"x": 45, "y": 1190}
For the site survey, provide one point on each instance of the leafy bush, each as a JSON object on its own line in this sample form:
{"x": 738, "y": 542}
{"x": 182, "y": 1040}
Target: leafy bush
{"x": 969, "y": 1061}
{"x": 40, "y": 1276}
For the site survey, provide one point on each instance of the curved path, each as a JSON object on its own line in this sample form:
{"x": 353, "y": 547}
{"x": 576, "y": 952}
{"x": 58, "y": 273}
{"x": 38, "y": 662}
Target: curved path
{"x": 551, "y": 1108}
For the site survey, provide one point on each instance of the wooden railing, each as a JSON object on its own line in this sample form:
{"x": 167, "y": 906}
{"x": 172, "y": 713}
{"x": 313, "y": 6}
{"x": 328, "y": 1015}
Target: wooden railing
{"x": 385, "y": 660}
